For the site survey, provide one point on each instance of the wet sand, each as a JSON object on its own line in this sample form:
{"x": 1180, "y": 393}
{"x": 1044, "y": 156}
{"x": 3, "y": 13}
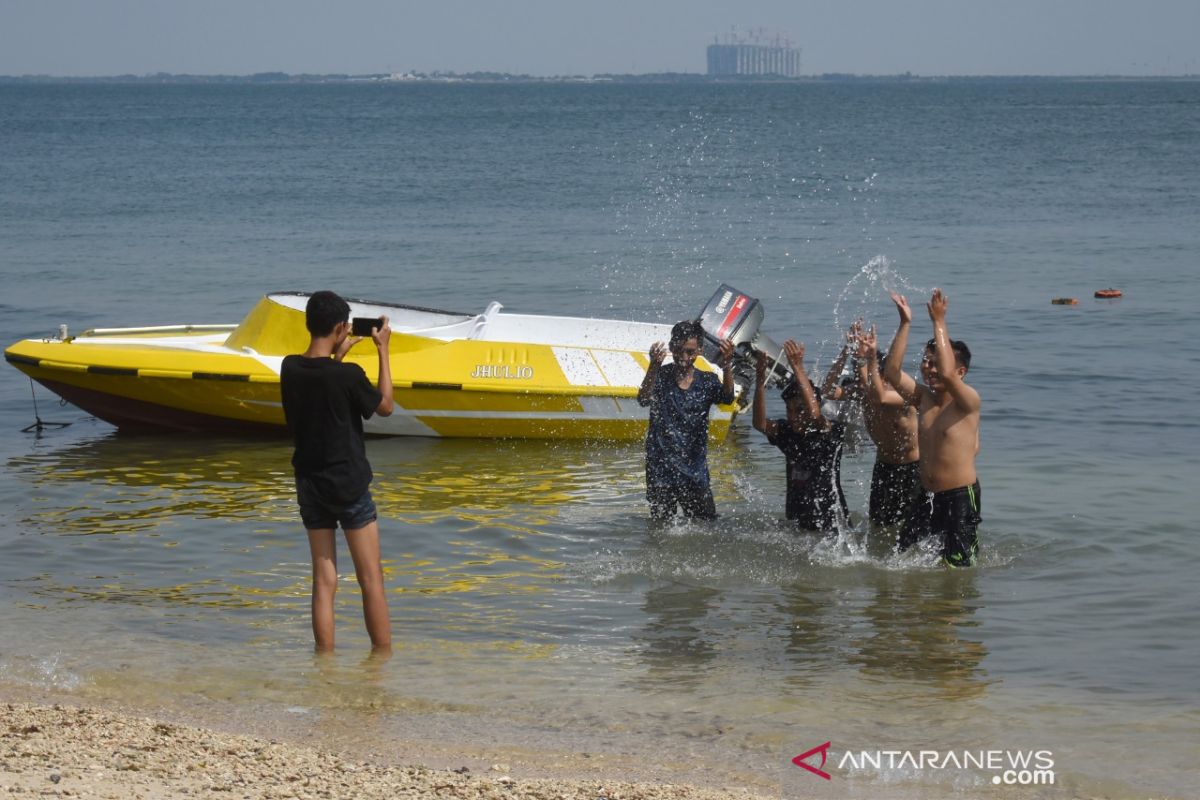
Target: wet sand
{"x": 68, "y": 751}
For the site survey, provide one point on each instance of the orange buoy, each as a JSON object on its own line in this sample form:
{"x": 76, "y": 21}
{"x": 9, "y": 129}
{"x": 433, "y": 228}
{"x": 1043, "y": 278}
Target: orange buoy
{"x": 1065, "y": 301}
{"x": 1108, "y": 294}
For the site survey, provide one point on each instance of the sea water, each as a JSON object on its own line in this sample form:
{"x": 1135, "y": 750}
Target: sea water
{"x": 533, "y": 603}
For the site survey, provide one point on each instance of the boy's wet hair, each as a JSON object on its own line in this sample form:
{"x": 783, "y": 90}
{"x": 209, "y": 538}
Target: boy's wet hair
{"x": 688, "y": 329}
{"x": 962, "y": 353}
{"x": 324, "y": 311}
{"x": 791, "y": 391}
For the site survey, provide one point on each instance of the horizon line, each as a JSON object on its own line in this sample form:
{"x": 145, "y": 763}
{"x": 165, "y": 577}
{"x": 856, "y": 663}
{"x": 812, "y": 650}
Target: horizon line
{"x": 415, "y": 75}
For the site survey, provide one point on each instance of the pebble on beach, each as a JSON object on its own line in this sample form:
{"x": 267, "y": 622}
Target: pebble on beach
{"x": 80, "y": 752}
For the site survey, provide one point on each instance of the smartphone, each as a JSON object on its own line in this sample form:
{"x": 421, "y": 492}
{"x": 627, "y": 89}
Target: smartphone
{"x": 363, "y": 326}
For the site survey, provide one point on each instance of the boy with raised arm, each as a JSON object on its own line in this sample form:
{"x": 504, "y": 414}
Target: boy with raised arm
{"x": 679, "y": 397}
{"x": 325, "y": 401}
{"x": 892, "y": 425}
{"x": 811, "y": 443}
{"x": 947, "y": 434}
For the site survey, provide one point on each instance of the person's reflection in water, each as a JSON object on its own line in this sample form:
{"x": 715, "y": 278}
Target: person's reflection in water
{"x": 812, "y": 641}
{"x": 673, "y": 643}
{"x": 920, "y": 625}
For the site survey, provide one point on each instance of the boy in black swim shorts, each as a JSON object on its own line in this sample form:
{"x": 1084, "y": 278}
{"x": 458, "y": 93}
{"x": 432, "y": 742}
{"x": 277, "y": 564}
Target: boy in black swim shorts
{"x": 953, "y": 517}
{"x": 947, "y": 434}
{"x": 892, "y": 424}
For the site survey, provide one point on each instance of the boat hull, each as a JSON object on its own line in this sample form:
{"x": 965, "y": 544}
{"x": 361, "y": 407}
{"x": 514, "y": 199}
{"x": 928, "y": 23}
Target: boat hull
{"x": 226, "y": 379}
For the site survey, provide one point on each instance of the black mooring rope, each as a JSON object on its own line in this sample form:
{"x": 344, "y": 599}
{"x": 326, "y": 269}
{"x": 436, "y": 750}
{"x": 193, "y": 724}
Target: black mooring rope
{"x": 40, "y": 424}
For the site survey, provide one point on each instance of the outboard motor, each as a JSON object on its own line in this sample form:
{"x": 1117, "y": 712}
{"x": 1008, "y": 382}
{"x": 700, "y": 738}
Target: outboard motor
{"x": 732, "y": 315}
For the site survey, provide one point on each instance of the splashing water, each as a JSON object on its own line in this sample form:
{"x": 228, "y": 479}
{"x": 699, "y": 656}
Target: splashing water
{"x": 866, "y": 296}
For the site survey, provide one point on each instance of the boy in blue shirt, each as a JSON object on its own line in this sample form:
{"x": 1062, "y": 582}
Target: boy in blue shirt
{"x": 679, "y": 397}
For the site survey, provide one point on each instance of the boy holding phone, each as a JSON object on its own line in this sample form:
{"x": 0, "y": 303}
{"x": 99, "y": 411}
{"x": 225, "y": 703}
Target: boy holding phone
{"x": 325, "y": 401}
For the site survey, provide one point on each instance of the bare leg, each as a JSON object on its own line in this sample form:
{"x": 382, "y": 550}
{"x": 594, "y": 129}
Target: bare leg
{"x": 364, "y": 549}
{"x": 324, "y": 584}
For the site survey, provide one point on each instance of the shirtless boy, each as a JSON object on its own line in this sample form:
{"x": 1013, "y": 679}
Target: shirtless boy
{"x": 947, "y": 434}
{"x": 892, "y": 425}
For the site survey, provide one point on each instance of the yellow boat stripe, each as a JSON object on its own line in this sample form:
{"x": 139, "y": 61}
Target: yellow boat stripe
{"x": 134, "y": 372}
{"x": 63, "y": 365}
{"x": 490, "y": 388}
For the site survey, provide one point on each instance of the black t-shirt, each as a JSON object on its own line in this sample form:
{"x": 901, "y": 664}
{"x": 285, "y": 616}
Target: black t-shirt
{"x": 325, "y": 402}
{"x": 814, "y": 474}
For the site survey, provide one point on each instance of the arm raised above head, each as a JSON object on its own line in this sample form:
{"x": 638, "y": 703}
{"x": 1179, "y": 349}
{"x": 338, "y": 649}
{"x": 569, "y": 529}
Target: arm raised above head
{"x": 727, "y": 393}
{"x": 831, "y": 386}
{"x": 646, "y": 390}
{"x": 809, "y": 407}
{"x": 761, "y": 423}
{"x": 869, "y": 371}
{"x": 893, "y": 366}
{"x": 965, "y": 396}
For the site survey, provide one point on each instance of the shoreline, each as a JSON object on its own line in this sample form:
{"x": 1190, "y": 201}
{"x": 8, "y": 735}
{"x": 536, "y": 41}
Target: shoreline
{"x": 80, "y": 751}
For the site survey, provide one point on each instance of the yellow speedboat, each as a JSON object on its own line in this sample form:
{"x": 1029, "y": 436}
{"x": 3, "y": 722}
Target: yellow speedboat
{"x": 485, "y": 375}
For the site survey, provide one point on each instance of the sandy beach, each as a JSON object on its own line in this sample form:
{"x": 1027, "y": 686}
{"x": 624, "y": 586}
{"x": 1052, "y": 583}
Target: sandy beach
{"x": 67, "y": 751}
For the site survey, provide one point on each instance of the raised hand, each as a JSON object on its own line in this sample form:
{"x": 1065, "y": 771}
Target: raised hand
{"x": 937, "y": 306}
{"x": 657, "y": 353}
{"x": 867, "y": 344}
{"x": 383, "y": 334}
{"x": 902, "y": 306}
{"x": 794, "y": 351}
{"x": 726, "y": 353}
{"x": 854, "y": 333}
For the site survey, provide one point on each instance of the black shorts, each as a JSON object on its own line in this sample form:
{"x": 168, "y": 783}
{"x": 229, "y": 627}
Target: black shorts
{"x": 665, "y": 499}
{"x": 952, "y": 516}
{"x": 317, "y": 513}
{"x": 894, "y": 489}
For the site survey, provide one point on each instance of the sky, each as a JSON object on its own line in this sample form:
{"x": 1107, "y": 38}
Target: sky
{"x": 586, "y": 37}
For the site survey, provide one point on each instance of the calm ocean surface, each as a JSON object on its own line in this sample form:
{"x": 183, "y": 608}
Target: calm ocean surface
{"x": 532, "y": 602}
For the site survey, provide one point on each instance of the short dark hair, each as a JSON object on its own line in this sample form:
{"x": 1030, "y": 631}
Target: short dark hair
{"x": 688, "y": 329}
{"x": 791, "y": 391}
{"x": 962, "y": 353}
{"x": 324, "y": 311}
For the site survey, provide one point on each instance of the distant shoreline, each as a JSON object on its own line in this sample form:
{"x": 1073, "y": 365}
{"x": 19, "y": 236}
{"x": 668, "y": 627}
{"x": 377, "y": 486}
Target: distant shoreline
{"x": 277, "y": 78}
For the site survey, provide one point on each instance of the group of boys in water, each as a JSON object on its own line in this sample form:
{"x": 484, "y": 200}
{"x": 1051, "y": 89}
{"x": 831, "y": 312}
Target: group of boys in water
{"x": 926, "y": 434}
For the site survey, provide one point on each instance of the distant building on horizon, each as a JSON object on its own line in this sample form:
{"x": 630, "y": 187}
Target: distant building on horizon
{"x": 753, "y": 54}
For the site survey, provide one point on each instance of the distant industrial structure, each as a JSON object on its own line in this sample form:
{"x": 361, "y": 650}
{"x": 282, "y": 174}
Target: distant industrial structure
{"x": 753, "y": 53}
